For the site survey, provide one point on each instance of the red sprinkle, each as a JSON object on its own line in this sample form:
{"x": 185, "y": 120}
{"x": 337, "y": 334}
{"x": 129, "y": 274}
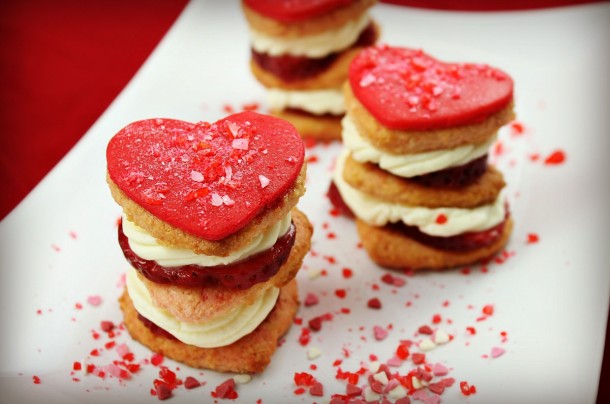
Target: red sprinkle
{"x": 225, "y": 390}
{"x": 557, "y": 157}
{"x": 418, "y": 358}
{"x": 315, "y": 323}
{"x": 402, "y": 351}
{"x": 317, "y": 390}
{"x": 532, "y": 238}
{"x": 36, "y": 379}
{"x": 441, "y": 219}
{"x": 163, "y": 391}
{"x": 310, "y": 300}
{"x": 304, "y": 379}
{"x": 347, "y": 273}
{"x": 156, "y": 359}
{"x": 488, "y": 310}
{"x": 467, "y": 390}
{"x": 340, "y": 293}
{"x": 517, "y": 128}
{"x": 374, "y": 303}
{"x": 106, "y": 325}
{"x": 191, "y": 383}
{"x": 436, "y": 319}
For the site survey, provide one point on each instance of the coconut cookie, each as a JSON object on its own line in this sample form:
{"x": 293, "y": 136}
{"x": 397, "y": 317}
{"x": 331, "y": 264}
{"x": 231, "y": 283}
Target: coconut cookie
{"x": 414, "y": 169}
{"x": 301, "y": 52}
{"x": 212, "y": 236}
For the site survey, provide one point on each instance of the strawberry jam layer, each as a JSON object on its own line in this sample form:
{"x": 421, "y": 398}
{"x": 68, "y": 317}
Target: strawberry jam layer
{"x": 239, "y": 275}
{"x": 461, "y": 243}
{"x": 454, "y": 177}
{"x": 292, "y": 68}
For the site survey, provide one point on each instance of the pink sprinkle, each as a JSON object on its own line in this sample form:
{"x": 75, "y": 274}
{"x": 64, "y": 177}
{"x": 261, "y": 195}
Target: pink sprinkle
{"x": 196, "y": 176}
{"x": 439, "y": 369}
{"x": 122, "y": 350}
{"x": 240, "y": 144}
{"x": 310, "y": 300}
{"x": 234, "y": 128}
{"x": 216, "y": 199}
{"x": 496, "y": 352}
{"x": 395, "y": 361}
{"x": 94, "y": 300}
{"x": 264, "y": 181}
{"x": 55, "y": 247}
{"x": 380, "y": 333}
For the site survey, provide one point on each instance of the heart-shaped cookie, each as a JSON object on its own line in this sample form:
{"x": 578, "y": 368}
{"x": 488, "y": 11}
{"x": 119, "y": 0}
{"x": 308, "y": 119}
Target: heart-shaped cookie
{"x": 407, "y": 89}
{"x": 207, "y": 179}
{"x": 295, "y": 10}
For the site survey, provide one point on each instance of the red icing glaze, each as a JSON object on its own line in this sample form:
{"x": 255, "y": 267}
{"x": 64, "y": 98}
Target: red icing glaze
{"x": 206, "y": 178}
{"x": 238, "y": 275}
{"x": 410, "y": 90}
{"x": 295, "y": 10}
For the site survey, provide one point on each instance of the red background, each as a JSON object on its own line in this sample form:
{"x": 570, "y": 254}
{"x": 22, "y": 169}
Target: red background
{"x": 63, "y": 62}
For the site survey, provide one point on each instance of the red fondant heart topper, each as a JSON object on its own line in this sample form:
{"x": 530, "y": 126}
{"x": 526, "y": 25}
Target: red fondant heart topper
{"x": 410, "y": 90}
{"x": 207, "y": 179}
{"x": 295, "y": 10}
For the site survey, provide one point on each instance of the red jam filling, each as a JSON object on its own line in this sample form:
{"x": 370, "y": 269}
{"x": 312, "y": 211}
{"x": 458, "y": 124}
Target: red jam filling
{"x": 460, "y": 243}
{"x": 407, "y": 89}
{"x": 295, "y": 10}
{"x": 454, "y": 177}
{"x": 292, "y": 68}
{"x": 239, "y": 275}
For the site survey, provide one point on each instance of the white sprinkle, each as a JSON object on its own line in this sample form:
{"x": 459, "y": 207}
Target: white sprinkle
{"x": 196, "y": 176}
{"x": 234, "y": 128}
{"x": 313, "y": 273}
{"x": 413, "y": 100}
{"x": 227, "y": 200}
{"x": 216, "y": 199}
{"x": 228, "y": 173}
{"x": 427, "y": 345}
{"x": 367, "y": 80}
{"x": 313, "y": 353}
{"x": 416, "y": 383}
{"x": 242, "y": 379}
{"x": 441, "y": 337}
{"x": 370, "y": 395}
{"x": 240, "y": 144}
{"x": 381, "y": 377}
{"x": 437, "y": 90}
{"x": 398, "y": 392}
{"x": 374, "y": 366}
{"x": 264, "y": 181}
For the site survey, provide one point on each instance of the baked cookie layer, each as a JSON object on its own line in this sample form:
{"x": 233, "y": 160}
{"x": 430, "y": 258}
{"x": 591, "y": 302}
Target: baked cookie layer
{"x": 372, "y": 180}
{"x": 408, "y": 141}
{"x": 321, "y": 127}
{"x": 391, "y": 249}
{"x": 250, "y": 354}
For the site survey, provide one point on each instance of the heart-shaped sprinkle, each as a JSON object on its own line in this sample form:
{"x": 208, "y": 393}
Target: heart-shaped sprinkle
{"x": 209, "y": 180}
{"x": 410, "y": 90}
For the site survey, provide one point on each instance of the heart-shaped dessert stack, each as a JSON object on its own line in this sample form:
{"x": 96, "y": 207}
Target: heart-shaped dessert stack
{"x": 212, "y": 234}
{"x": 301, "y": 50}
{"x": 414, "y": 167}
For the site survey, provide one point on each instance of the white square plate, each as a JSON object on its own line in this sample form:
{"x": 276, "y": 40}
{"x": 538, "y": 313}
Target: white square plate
{"x": 61, "y": 266}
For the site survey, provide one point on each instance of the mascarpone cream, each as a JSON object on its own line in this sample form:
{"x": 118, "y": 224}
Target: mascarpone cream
{"x": 147, "y": 247}
{"x": 317, "y": 102}
{"x": 379, "y": 213}
{"x": 220, "y": 331}
{"x": 312, "y": 46}
{"x": 409, "y": 165}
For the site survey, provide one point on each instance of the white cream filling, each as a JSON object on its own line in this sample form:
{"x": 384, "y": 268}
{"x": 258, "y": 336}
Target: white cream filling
{"x": 377, "y": 212}
{"x": 146, "y": 246}
{"x": 317, "y": 102}
{"x": 219, "y": 331}
{"x": 312, "y": 46}
{"x": 409, "y": 165}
